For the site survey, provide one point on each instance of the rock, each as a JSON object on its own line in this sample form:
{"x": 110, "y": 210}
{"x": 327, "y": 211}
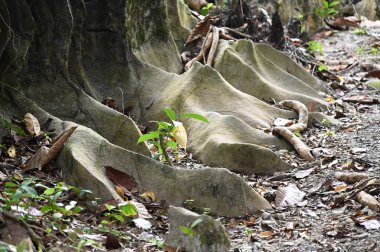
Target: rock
{"x": 209, "y": 235}
{"x": 368, "y": 8}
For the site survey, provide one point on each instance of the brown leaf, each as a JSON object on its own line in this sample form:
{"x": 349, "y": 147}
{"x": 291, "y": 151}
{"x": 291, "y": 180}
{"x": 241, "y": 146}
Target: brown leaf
{"x": 341, "y": 188}
{"x": 149, "y": 195}
{"x": 344, "y": 22}
{"x": 32, "y": 124}
{"x": 200, "y": 30}
{"x": 112, "y": 242}
{"x": 266, "y": 234}
{"x": 44, "y": 155}
{"x": 122, "y": 179}
{"x": 368, "y": 200}
{"x": 11, "y": 151}
{"x": 375, "y": 74}
{"x": 288, "y": 196}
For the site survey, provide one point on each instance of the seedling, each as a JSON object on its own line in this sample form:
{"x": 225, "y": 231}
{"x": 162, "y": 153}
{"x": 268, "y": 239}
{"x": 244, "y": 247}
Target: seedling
{"x": 360, "y": 31}
{"x": 322, "y": 68}
{"x": 189, "y": 230}
{"x": 169, "y": 134}
{"x": 119, "y": 213}
{"x": 315, "y": 47}
{"x": 204, "y": 11}
{"x": 327, "y": 9}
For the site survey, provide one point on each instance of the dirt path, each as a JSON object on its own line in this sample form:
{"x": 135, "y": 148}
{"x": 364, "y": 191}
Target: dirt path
{"x": 326, "y": 220}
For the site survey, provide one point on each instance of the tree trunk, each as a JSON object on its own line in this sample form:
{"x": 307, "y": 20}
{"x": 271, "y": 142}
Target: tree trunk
{"x": 60, "y": 59}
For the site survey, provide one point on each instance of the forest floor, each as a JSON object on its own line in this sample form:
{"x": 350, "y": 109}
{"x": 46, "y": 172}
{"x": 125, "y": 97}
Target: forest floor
{"x": 328, "y": 218}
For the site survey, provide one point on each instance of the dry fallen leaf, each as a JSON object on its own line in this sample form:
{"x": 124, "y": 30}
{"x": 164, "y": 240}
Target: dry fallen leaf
{"x": 181, "y": 136}
{"x": 121, "y": 179}
{"x": 11, "y": 151}
{"x": 375, "y": 74}
{"x": 149, "y": 195}
{"x": 288, "y": 196}
{"x": 32, "y": 124}
{"x": 266, "y": 234}
{"x": 341, "y": 188}
{"x": 200, "y": 30}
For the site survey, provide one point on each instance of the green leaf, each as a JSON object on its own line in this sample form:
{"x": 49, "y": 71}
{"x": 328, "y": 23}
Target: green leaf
{"x": 170, "y": 113}
{"x": 46, "y": 208}
{"x": 196, "y": 116}
{"x": 334, "y": 3}
{"x": 148, "y": 136}
{"x": 196, "y": 222}
{"x": 109, "y": 207}
{"x": 163, "y": 125}
{"x": 11, "y": 184}
{"x": 172, "y": 144}
{"x": 49, "y": 191}
{"x": 57, "y": 195}
{"x": 128, "y": 210}
{"x": 29, "y": 190}
{"x": 322, "y": 68}
{"x": 186, "y": 230}
{"x": 118, "y": 217}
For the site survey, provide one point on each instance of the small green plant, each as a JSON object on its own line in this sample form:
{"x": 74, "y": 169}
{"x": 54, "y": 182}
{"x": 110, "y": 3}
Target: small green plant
{"x": 1, "y": 147}
{"x": 361, "y": 49}
{"x": 360, "y": 31}
{"x": 322, "y": 68}
{"x": 315, "y": 47}
{"x": 119, "y": 213}
{"x": 190, "y": 230}
{"x": 298, "y": 134}
{"x": 374, "y": 50}
{"x": 325, "y": 122}
{"x": 330, "y": 133}
{"x": 327, "y": 9}
{"x": 248, "y": 231}
{"x": 204, "y": 11}
{"x": 165, "y": 135}
{"x": 11, "y": 127}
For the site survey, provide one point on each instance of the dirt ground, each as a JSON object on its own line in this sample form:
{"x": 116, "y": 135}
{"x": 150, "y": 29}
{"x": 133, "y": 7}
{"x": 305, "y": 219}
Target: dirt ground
{"x": 326, "y": 220}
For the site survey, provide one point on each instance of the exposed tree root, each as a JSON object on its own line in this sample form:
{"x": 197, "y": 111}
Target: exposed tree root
{"x": 214, "y": 46}
{"x": 303, "y": 114}
{"x": 302, "y": 149}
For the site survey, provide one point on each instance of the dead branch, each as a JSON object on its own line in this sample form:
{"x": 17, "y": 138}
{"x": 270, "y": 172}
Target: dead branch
{"x": 303, "y": 114}
{"x": 368, "y": 200}
{"x": 44, "y": 155}
{"x": 301, "y": 148}
{"x": 235, "y": 33}
{"x": 214, "y": 46}
{"x": 351, "y": 177}
{"x": 206, "y": 45}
